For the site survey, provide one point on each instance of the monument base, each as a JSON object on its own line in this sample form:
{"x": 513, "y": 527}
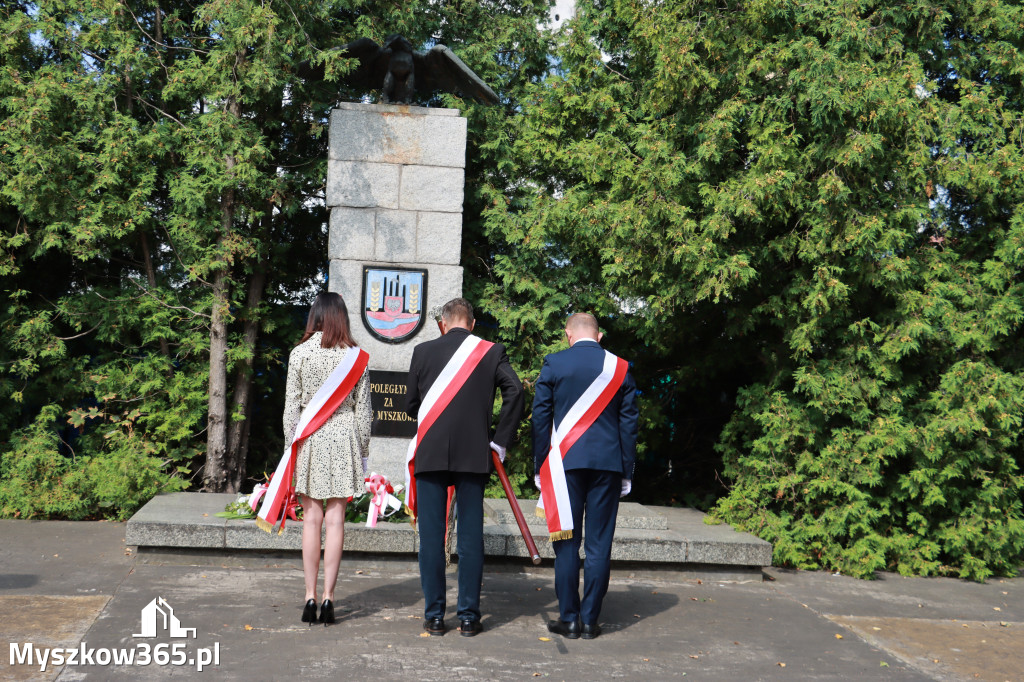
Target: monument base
{"x": 387, "y": 457}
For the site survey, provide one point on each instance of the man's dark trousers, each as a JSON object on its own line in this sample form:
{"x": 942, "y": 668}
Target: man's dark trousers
{"x": 598, "y": 492}
{"x": 432, "y": 493}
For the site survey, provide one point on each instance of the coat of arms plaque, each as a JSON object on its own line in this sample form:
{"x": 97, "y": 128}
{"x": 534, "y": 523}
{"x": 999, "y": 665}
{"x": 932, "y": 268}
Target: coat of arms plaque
{"x": 392, "y": 302}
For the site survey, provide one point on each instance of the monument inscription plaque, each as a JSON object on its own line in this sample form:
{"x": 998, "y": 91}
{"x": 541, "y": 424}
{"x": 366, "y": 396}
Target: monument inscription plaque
{"x": 387, "y": 399}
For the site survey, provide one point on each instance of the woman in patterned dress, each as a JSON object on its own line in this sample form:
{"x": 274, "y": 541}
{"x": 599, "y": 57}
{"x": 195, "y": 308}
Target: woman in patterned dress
{"x": 331, "y": 462}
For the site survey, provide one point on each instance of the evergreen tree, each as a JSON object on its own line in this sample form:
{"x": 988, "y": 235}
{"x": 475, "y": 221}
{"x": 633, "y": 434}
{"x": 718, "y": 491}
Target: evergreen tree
{"x": 162, "y": 172}
{"x": 804, "y": 222}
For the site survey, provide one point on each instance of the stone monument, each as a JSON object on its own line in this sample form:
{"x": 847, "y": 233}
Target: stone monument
{"x": 395, "y": 182}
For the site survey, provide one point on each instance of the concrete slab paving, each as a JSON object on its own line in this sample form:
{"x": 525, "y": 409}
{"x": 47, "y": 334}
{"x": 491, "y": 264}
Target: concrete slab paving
{"x": 657, "y": 625}
{"x": 657, "y": 630}
{"x": 948, "y": 628}
{"x": 967, "y": 649}
{"x": 47, "y": 622}
{"x": 56, "y": 577}
{"x": 63, "y": 557}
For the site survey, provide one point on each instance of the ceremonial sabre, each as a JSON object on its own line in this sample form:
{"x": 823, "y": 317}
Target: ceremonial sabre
{"x": 531, "y": 546}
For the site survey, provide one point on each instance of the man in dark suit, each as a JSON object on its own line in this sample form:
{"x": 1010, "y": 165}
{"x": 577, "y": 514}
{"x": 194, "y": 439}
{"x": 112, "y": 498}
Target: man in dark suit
{"x": 454, "y": 449}
{"x": 598, "y": 465}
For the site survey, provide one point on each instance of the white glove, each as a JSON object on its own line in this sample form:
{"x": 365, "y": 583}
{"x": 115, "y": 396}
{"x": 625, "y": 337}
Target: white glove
{"x": 627, "y": 485}
{"x": 365, "y": 462}
{"x": 500, "y": 450}
{"x": 536, "y": 480}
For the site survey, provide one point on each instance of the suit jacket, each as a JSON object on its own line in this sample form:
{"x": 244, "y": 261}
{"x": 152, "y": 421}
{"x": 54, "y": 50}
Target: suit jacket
{"x": 460, "y": 438}
{"x": 610, "y": 442}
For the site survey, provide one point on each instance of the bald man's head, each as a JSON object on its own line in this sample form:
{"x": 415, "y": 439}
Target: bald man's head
{"x": 582, "y": 326}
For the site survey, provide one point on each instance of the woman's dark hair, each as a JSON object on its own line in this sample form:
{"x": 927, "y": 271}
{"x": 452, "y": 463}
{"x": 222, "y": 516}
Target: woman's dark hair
{"x": 329, "y": 315}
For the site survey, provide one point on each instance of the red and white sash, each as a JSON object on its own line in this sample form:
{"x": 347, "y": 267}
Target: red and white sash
{"x": 554, "y": 491}
{"x": 438, "y": 397}
{"x": 328, "y": 398}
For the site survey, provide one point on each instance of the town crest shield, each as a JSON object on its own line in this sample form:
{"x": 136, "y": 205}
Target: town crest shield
{"x": 392, "y": 302}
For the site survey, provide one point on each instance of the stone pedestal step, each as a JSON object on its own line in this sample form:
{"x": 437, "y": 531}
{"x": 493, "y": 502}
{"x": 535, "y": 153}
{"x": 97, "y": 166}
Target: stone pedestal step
{"x": 631, "y": 515}
{"x": 644, "y": 535}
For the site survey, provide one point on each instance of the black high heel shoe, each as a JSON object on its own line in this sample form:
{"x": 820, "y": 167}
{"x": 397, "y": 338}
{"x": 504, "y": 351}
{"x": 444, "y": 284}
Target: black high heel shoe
{"x": 327, "y": 612}
{"x": 309, "y": 612}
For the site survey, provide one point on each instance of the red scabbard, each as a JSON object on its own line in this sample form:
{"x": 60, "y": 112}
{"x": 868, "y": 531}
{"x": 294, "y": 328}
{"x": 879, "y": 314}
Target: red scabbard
{"x": 531, "y": 546}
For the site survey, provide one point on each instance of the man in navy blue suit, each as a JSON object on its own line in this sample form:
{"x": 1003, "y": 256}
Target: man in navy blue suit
{"x": 597, "y": 450}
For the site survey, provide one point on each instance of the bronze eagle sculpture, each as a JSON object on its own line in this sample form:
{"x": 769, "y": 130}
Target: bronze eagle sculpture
{"x": 400, "y": 71}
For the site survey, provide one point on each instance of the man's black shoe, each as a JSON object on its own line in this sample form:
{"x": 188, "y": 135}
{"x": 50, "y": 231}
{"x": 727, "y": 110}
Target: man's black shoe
{"x": 435, "y": 626}
{"x": 567, "y": 630}
{"x": 469, "y": 627}
{"x": 591, "y": 631}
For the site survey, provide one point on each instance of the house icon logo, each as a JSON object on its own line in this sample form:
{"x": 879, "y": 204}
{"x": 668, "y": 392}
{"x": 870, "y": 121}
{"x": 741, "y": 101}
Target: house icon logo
{"x": 158, "y": 612}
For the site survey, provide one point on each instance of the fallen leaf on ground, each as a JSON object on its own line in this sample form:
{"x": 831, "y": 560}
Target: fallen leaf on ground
{"x": 883, "y": 664}
{"x": 781, "y": 664}
{"x": 876, "y": 628}
{"x": 839, "y": 636}
{"x": 1004, "y": 623}
{"x": 544, "y": 639}
{"x": 996, "y": 608}
{"x": 248, "y": 627}
{"x": 424, "y": 634}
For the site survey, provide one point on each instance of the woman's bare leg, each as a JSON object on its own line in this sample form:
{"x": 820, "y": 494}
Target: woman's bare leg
{"x": 312, "y": 522}
{"x": 334, "y": 518}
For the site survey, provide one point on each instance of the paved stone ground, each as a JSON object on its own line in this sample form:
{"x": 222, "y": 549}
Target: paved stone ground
{"x": 63, "y": 584}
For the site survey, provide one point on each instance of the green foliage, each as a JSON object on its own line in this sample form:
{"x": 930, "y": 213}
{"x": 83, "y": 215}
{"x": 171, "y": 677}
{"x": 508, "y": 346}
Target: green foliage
{"x": 38, "y": 481}
{"x": 804, "y": 223}
{"x": 358, "y": 509}
{"x": 520, "y": 477}
{"x": 162, "y": 226}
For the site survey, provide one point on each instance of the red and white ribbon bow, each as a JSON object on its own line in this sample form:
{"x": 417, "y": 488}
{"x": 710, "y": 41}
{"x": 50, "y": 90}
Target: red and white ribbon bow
{"x": 381, "y": 499}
